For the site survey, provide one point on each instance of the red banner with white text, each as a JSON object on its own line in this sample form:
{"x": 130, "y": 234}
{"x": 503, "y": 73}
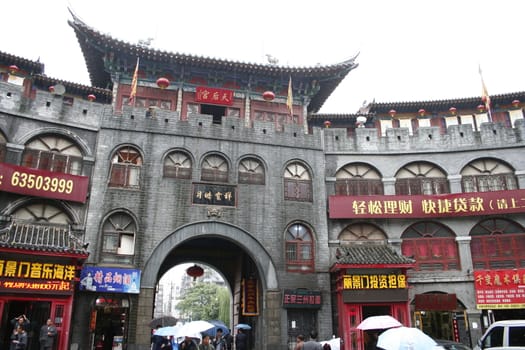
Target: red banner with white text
{"x": 451, "y": 204}
{"x": 42, "y": 183}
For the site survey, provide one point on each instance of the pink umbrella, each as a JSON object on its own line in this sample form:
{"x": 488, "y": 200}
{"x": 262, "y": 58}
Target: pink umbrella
{"x": 379, "y": 322}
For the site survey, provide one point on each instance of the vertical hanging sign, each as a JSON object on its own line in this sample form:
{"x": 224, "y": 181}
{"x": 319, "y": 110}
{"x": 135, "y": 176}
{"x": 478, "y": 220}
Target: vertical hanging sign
{"x": 250, "y": 297}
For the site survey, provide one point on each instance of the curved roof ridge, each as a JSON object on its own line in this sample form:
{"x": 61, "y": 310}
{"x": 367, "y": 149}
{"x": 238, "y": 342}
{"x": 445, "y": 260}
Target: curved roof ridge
{"x": 80, "y": 24}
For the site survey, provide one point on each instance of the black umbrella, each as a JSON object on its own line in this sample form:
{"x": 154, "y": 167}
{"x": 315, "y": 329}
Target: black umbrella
{"x": 163, "y": 321}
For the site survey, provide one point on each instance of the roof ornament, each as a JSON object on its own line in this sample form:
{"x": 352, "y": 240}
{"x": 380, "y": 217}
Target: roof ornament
{"x": 272, "y": 60}
{"x": 145, "y": 42}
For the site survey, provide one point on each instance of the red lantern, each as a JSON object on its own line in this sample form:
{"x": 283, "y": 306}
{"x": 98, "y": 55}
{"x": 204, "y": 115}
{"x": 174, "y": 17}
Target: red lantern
{"x": 91, "y": 97}
{"x": 163, "y": 82}
{"x": 327, "y": 123}
{"x": 268, "y": 96}
{"x": 481, "y": 108}
{"x": 516, "y": 103}
{"x": 421, "y": 112}
{"x": 452, "y": 110}
{"x": 13, "y": 69}
{"x": 51, "y": 89}
{"x": 392, "y": 113}
{"x": 195, "y": 271}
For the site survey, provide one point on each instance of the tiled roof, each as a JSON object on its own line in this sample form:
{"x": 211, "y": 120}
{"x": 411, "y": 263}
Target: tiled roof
{"x": 24, "y": 64}
{"x": 370, "y": 254}
{"x": 97, "y": 47}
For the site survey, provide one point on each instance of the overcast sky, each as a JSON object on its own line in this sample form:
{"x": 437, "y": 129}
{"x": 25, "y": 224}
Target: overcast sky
{"x": 408, "y": 50}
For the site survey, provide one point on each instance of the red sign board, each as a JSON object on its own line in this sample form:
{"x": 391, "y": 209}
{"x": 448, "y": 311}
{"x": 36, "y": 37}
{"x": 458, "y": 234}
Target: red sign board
{"x": 500, "y": 289}
{"x": 301, "y": 298}
{"x": 250, "y": 297}
{"x": 42, "y": 183}
{"x": 214, "y": 96}
{"x": 452, "y": 204}
{"x": 436, "y": 302}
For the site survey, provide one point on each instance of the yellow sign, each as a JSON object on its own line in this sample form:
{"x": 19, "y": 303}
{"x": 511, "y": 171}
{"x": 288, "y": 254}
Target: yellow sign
{"x": 370, "y": 281}
{"x": 36, "y": 270}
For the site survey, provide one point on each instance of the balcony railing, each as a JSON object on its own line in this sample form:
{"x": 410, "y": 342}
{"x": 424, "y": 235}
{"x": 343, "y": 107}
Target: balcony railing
{"x": 41, "y": 237}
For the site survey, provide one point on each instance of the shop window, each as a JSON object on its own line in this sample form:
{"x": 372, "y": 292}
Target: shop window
{"x": 432, "y": 245}
{"x": 297, "y": 183}
{"x": 299, "y": 249}
{"x": 497, "y": 243}
{"x": 358, "y": 179}
{"x": 214, "y": 169}
{"x": 119, "y": 232}
{"x": 421, "y": 178}
{"x": 53, "y": 153}
{"x": 126, "y": 166}
{"x": 251, "y": 171}
{"x": 486, "y": 175}
{"x": 177, "y": 165}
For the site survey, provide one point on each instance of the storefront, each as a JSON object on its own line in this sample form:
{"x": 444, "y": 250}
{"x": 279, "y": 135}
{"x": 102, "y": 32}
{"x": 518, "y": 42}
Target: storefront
{"x": 378, "y": 287}
{"x": 109, "y": 290}
{"x": 39, "y": 285}
{"x": 442, "y": 316}
{"x": 302, "y": 306}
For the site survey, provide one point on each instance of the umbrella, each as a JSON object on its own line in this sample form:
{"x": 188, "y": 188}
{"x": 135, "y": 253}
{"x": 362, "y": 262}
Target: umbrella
{"x": 163, "y": 321}
{"x": 405, "y": 338}
{"x": 216, "y": 325}
{"x": 379, "y": 322}
{"x": 193, "y": 327}
{"x": 167, "y": 331}
{"x": 243, "y": 326}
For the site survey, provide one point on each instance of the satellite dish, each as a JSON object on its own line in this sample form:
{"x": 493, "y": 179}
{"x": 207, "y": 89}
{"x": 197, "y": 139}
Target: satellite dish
{"x": 59, "y": 89}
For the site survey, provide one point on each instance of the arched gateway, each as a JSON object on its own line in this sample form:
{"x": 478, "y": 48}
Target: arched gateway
{"x": 227, "y": 248}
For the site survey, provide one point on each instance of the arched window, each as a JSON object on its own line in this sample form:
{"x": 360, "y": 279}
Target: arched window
{"x": 432, "y": 245}
{"x": 43, "y": 225}
{"x": 214, "y": 169}
{"x": 358, "y": 179}
{"x": 421, "y": 178}
{"x": 118, "y": 244}
{"x": 53, "y": 153}
{"x": 299, "y": 249}
{"x": 497, "y": 243}
{"x": 297, "y": 183}
{"x": 361, "y": 232}
{"x": 487, "y": 174}
{"x": 251, "y": 171}
{"x": 126, "y": 165}
{"x": 177, "y": 165}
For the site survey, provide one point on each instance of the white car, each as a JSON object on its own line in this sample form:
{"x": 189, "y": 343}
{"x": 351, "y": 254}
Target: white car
{"x": 503, "y": 335}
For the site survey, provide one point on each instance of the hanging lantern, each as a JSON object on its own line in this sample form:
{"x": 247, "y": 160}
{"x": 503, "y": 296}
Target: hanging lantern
{"x": 392, "y": 113}
{"x": 268, "y": 95}
{"x": 452, "y": 110}
{"x": 195, "y": 271}
{"x": 516, "y": 103}
{"x": 13, "y": 69}
{"x": 91, "y": 97}
{"x": 163, "y": 82}
{"x": 51, "y": 89}
{"x": 481, "y": 108}
{"x": 421, "y": 112}
{"x": 327, "y": 123}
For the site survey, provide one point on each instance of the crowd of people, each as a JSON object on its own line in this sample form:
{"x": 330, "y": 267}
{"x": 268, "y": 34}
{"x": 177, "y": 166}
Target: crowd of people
{"x": 20, "y": 337}
{"x": 221, "y": 341}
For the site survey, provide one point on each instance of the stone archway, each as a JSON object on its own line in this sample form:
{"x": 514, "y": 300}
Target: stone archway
{"x": 217, "y": 230}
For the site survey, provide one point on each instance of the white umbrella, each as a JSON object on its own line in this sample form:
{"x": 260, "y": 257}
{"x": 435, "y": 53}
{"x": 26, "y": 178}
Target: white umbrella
{"x": 405, "y": 338}
{"x": 167, "y": 331}
{"x": 194, "y": 327}
{"x": 379, "y": 322}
